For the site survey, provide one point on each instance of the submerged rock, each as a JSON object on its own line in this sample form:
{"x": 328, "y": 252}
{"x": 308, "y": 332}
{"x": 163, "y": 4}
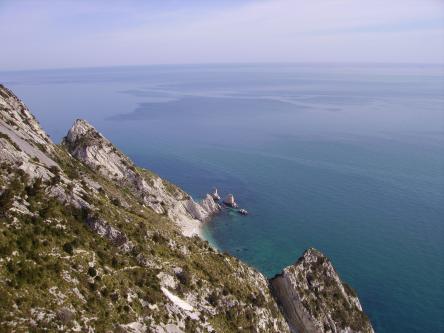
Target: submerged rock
{"x": 313, "y": 298}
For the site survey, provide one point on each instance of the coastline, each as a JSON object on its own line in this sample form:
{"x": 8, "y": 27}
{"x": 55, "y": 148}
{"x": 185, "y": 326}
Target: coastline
{"x": 347, "y": 188}
{"x": 205, "y": 234}
{"x": 131, "y": 208}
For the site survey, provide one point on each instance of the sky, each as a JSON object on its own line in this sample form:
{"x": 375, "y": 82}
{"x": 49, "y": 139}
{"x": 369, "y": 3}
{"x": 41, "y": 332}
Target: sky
{"x": 79, "y": 33}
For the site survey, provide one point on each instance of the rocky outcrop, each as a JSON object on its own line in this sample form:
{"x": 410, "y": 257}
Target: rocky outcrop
{"x": 313, "y": 298}
{"x": 24, "y": 145}
{"x": 229, "y": 201}
{"x": 105, "y": 230}
{"x": 86, "y": 144}
{"x": 209, "y": 205}
{"x": 215, "y": 195}
{"x": 23, "y": 138}
{"x": 16, "y": 118}
{"x": 90, "y": 242}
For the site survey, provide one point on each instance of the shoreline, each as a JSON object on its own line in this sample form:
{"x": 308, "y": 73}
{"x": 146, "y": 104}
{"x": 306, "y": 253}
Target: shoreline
{"x": 206, "y": 236}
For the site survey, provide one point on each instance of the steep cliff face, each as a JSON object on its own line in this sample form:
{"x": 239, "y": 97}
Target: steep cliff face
{"x": 82, "y": 250}
{"x": 25, "y": 147}
{"x": 313, "y": 298}
{"x": 17, "y": 119}
{"x": 86, "y": 144}
{"x": 91, "y": 242}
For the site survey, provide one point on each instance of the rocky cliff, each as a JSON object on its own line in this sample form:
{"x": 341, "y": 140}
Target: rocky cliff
{"x": 313, "y": 298}
{"x": 91, "y": 242}
{"x": 87, "y": 145}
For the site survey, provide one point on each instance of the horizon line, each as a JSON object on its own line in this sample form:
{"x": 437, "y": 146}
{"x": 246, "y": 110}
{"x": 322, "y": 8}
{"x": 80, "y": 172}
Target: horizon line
{"x": 283, "y": 63}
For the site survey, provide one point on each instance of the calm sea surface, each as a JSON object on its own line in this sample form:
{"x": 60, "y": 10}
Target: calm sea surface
{"x": 348, "y": 159}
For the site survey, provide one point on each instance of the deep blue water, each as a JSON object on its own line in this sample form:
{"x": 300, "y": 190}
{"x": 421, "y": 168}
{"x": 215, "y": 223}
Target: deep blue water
{"x": 348, "y": 159}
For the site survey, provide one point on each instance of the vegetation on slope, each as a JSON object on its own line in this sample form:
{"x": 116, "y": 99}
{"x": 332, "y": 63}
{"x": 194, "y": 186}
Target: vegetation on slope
{"x": 56, "y": 273}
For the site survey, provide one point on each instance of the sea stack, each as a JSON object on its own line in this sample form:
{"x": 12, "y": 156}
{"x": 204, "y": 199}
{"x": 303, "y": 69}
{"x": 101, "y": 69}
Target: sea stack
{"x": 215, "y": 195}
{"x": 229, "y": 201}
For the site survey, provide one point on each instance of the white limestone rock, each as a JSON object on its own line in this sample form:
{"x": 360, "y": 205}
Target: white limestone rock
{"x": 85, "y": 143}
{"x": 215, "y": 195}
{"x": 25, "y": 148}
{"x": 15, "y": 113}
{"x": 24, "y": 145}
{"x": 229, "y": 201}
{"x": 105, "y": 230}
{"x": 210, "y": 206}
{"x": 313, "y": 298}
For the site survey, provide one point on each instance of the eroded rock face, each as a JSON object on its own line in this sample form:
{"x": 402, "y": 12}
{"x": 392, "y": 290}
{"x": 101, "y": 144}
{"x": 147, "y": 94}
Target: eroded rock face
{"x": 93, "y": 257}
{"x": 313, "y": 298}
{"x": 24, "y": 145}
{"x": 115, "y": 236}
{"x": 167, "y": 282}
{"x": 23, "y": 138}
{"x": 86, "y": 144}
{"x": 16, "y": 117}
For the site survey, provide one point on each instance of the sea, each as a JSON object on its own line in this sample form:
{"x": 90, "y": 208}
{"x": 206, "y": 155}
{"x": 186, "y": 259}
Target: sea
{"x": 346, "y": 158}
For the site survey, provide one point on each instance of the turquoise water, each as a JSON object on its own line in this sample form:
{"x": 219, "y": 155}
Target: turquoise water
{"x": 348, "y": 159}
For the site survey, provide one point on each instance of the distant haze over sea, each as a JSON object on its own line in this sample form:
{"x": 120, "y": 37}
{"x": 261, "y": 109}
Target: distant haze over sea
{"x": 345, "y": 158}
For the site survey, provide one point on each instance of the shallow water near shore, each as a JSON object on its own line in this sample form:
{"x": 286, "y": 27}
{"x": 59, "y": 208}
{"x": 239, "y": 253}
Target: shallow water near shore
{"x": 345, "y": 158}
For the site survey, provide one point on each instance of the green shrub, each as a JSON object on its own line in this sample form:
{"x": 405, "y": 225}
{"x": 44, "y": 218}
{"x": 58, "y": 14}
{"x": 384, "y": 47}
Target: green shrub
{"x": 6, "y": 201}
{"x": 92, "y": 271}
{"x": 257, "y": 300}
{"x": 67, "y": 247}
{"x": 5, "y": 249}
{"x": 104, "y": 292}
{"x": 114, "y": 296}
{"x": 55, "y": 180}
{"x": 35, "y": 188}
{"x": 114, "y": 262}
{"x": 7, "y": 138}
{"x": 70, "y": 187}
{"x": 212, "y": 298}
{"x": 153, "y": 296}
{"x": 16, "y": 185}
{"x": 158, "y": 238}
{"x": 54, "y": 169}
{"x": 349, "y": 290}
{"x": 184, "y": 277}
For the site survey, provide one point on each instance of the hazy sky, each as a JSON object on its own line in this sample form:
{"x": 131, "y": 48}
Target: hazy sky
{"x": 80, "y": 33}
